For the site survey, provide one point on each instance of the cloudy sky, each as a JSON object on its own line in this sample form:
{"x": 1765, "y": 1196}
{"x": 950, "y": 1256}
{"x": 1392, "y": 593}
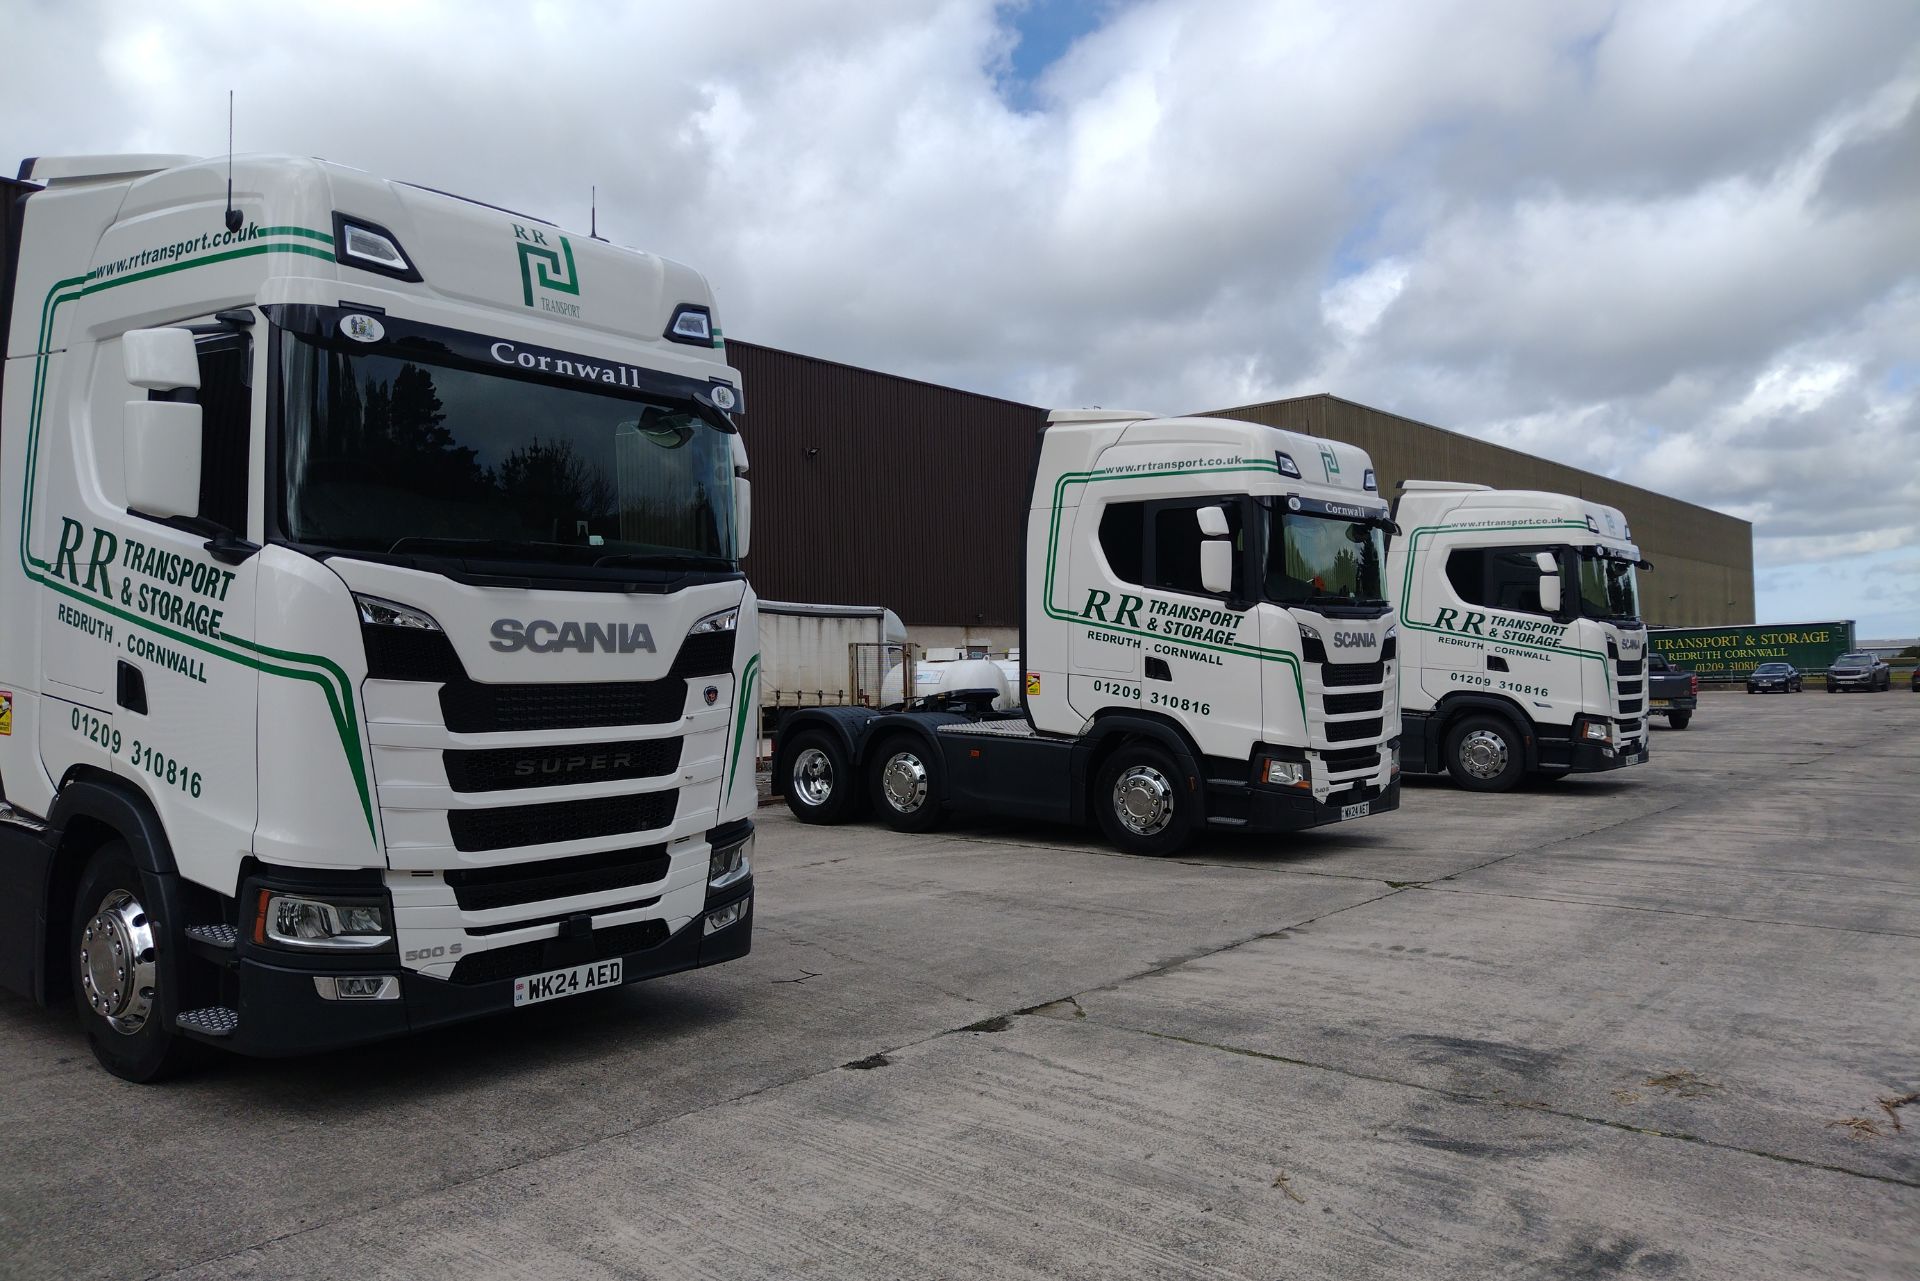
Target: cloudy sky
{"x": 1676, "y": 241}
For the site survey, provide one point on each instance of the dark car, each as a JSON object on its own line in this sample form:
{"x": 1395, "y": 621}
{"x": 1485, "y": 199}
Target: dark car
{"x": 1858, "y": 669}
{"x": 1771, "y": 678}
{"x": 1916, "y": 680}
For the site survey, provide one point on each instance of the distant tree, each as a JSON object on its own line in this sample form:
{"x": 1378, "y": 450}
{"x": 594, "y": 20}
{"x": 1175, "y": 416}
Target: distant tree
{"x": 551, "y": 485}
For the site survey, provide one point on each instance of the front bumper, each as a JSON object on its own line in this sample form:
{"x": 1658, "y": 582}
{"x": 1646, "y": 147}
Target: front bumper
{"x": 1862, "y": 681}
{"x": 1284, "y": 809}
{"x": 1591, "y": 758}
{"x": 282, "y": 1013}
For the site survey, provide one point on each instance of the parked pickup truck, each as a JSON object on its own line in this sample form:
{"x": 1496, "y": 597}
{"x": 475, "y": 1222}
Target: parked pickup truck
{"x": 1671, "y": 692}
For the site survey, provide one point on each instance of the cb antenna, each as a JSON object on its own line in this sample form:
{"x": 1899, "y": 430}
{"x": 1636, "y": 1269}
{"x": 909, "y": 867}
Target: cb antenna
{"x": 593, "y": 213}
{"x": 233, "y": 215}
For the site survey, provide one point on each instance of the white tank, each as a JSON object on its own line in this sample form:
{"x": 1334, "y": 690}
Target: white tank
{"x": 950, "y": 676}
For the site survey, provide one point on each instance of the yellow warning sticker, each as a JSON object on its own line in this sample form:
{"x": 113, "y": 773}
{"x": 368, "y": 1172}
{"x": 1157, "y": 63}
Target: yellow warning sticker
{"x": 6, "y": 711}
{"x": 1033, "y": 684}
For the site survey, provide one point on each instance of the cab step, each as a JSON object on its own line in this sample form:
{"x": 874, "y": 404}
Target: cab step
{"x": 214, "y": 942}
{"x": 215, "y": 1021}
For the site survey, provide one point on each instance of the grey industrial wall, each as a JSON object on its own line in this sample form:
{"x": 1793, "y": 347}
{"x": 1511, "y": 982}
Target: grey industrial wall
{"x": 1703, "y": 559}
{"x": 874, "y": 490}
{"x": 871, "y": 489}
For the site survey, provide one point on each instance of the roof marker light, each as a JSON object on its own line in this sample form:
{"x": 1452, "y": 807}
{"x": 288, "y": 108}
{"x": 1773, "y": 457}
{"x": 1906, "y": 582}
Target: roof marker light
{"x": 691, "y": 324}
{"x": 1370, "y": 483}
{"x": 370, "y": 247}
{"x": 1287, "y": 466}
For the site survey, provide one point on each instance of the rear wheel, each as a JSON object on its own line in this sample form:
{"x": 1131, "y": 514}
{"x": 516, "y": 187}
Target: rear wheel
{"x": 1140, "y": 803}
{"x": 906, "y": 783}
{"x": 1680, "y": 720}
{"x": 115, "y": 949}
{"x": 1484, "y": 754}
{"x": 818, "y": 779}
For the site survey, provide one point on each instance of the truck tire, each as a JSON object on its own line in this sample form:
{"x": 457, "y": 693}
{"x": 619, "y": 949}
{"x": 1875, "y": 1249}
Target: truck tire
{"x": 1680, "y": 720}
{"x": 1485, "y": 754}
{"x": 819, "y": 780}
{"x": 114, "y": 953}
{"x": 908, "y": 785}
{"x": 1139, "y": 802}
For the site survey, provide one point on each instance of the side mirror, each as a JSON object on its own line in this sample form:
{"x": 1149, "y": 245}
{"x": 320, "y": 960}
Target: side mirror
{"x": 1213, "y": 522}
{"x": 161, "y": 359}
{"x": 742, "y": 516}
{"x": 1216, "y": 566}
{"x": 1549, "y": 582}
{"x": 161, "y": 450}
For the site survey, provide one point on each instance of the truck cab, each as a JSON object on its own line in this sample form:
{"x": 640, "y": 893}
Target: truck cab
{"x": 1523, "y": 648}
{"x": 1206, "y": 644}
{"x": 379, "y": 650}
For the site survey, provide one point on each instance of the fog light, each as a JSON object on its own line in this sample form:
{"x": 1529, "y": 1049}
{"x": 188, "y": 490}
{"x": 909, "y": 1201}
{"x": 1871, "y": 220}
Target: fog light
{"x": 728, "y": 866}
{"x": 357, "y": 987}
{"x": 721, "y": 918}
{"x": 1279, "y": 773}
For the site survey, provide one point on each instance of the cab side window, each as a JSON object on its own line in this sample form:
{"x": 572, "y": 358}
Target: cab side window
{"x": 1503, "y": 578}
{"x": 226, "y": 411}
{"x": 1158, "y": 544}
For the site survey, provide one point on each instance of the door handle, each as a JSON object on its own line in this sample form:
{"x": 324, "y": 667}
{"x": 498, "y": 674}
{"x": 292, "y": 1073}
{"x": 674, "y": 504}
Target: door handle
{"x": 1157, "y": 670}
{"x": 130, "y": 688}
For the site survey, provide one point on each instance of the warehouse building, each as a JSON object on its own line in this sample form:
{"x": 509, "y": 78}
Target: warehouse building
{"x": 872, "y": 489}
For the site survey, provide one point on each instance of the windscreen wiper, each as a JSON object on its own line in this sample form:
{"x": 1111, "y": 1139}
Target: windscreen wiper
{"x": 502, "y": 548}
{"x": 665, "y": 560}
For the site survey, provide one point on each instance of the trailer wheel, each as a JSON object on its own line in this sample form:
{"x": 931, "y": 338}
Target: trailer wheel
{"x": 906, "y": 783}
{"x": 1141, "y": 806}
{"x": 115, "y": 954}
{"x": 1484, "y": 754}
{"x": 820, "y": 785}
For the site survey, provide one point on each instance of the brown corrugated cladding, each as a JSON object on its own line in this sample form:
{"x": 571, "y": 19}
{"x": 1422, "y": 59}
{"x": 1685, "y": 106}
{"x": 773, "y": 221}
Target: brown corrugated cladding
{"x": 870, "y": 489}
{"x": 1703, "y": 559}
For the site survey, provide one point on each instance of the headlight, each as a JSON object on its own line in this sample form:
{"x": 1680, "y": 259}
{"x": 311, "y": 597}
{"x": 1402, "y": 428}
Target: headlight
{"x": 724, "y": 621}
{"x": 730, "y": 864}
{"x": 1596, "y": 731}
{"x": 1307, "y": 631}
{"x": 315, "y": 924}
{"x": 1395, "y": 750}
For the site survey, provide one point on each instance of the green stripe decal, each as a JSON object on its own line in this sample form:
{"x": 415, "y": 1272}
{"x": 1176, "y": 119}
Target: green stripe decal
{"x": 748, "y": 678}
{"x": 1053, "y": 545}
{"x": 314, "y": 668}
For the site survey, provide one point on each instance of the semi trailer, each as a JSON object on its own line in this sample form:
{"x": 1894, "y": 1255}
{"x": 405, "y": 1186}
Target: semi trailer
{"x": 377, "y": 652}
{"x": 1206, "y": 645}
{"x": 1522, "y": 649}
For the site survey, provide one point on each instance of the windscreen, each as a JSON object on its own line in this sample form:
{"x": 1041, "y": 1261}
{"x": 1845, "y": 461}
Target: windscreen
{"x": 1320, "y": 560}
{"x": 389, "y": 454}
{"x": 1609, "y": 588}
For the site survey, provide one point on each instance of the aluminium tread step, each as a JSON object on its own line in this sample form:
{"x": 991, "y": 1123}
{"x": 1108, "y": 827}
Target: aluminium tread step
{"x": 215, "y": 1021}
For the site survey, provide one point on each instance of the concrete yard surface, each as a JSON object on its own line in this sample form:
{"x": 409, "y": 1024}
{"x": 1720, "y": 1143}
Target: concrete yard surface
{"x": 1658, "y": 1023}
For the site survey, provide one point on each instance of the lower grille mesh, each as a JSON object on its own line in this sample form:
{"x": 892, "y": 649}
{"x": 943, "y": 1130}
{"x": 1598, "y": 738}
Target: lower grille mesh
{"x": 510, "y": 825}
{"x": 517, "y": 959}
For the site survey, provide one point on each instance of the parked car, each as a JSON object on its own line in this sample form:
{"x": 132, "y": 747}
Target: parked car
{"x": 1767, "y": 678}
{"x": 1672, "y": 692}
{"x": 1858, "y": 670}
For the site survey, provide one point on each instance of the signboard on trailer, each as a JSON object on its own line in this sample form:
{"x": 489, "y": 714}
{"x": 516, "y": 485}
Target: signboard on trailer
{"x": 1731, "y": 653}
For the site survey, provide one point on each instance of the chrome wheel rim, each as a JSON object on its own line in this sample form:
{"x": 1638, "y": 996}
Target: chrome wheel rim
{"x": 813, "y": 776}
{"x": 1143, "y": 800}
{"x": 116, "y": 963}
{"x": 904, "y": 782}
{"x": 1483, "y": 754}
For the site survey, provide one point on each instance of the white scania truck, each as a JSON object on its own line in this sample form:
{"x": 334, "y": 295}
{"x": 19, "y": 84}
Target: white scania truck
{"x": 1522, "y": 649}
{"x": 376, "y": 652}
{"x": 1207, "y": 643}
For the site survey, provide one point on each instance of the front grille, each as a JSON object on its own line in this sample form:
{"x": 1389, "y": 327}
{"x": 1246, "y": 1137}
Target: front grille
{"x": 541, "y": 955}
{"x": 472, "y": 708}
{"x": 1347, "y": 731}
{"x": 409, "y": 654}
{"x": 1629, "y": 705}
{"x": 1347, "y": 760}
{"x": 501, "y": 768}
{"x": 550, "y": 824}
{"x": 482, "y": 889}
{"x": 1344, "y": 704}
{"x": 1630, "y": 687}
{"x": 708, "y": 654}
{"x": 1630, "y": 727}
{"x": 1352, "y": 673}
{"x": 1628, "y": 668}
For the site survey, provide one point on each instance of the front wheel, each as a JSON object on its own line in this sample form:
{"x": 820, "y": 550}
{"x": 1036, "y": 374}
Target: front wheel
{"x": 818, "y": 779}
{"x": 115, "y": 949}
{"x": 907, "y": 786}
{"x": 1484, "y": 754}
{"x": 1140, "y": 804}
{"x": 1680, "y": 720}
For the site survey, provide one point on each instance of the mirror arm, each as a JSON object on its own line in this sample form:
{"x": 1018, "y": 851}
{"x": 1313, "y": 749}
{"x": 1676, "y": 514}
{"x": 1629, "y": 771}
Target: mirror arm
{"x": 229, "y": 548}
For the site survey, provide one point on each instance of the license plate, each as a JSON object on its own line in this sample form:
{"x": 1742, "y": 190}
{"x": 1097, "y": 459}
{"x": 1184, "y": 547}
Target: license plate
{"x": 1663, "y": 702}
{"x": 1361, "y": 810}
{"x": 571, "y": 982}
{"x": 1636, "y": 758}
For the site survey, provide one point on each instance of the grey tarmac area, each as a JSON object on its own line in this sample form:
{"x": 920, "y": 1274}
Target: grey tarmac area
{"x": 1634, "y": 1025}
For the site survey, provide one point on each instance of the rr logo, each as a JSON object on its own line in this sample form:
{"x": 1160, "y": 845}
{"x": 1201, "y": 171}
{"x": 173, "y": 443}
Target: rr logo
{"x": 1328, "y": 461}
{"x": 541, "y": 264}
